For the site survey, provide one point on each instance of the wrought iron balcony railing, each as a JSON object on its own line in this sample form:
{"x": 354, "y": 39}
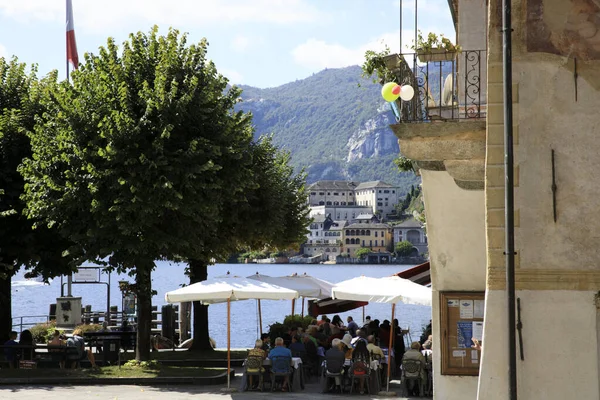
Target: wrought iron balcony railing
{"x": 448, "y": 86}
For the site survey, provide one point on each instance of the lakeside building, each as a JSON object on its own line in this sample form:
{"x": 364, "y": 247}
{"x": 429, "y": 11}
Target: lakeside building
{"x": 380, "y": 198}
{"x": 459, "y": 151}
{"x": 412, "y": 231}
{"x": 370, "y": 234}
{"x": 325, "y": 237}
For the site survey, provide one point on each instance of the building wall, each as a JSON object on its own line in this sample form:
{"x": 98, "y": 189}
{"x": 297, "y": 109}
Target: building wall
{"x": 369, "y": 240}
{"x": 457, "y": 251}
{"x": 340, "y": 213}
{"x": 557, "y": 263}
{"x": 331, "y": 197}
{"x": 376, "y": 198}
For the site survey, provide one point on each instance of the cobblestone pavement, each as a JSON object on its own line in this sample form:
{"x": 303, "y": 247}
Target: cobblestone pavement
{"x": 163, "y": 392}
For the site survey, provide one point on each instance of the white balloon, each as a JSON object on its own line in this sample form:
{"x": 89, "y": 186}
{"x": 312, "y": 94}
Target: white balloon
{"x": 407, "y": 92}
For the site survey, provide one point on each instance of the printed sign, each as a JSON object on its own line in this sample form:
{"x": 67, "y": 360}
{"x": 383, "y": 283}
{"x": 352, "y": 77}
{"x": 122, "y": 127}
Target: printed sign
{"x": 466, "y": 309}
{"x": 87, "y": 275}
{"x": 459, "y": 353}
{"x": 453, "y": 303}
{"x": 464, "y": 333}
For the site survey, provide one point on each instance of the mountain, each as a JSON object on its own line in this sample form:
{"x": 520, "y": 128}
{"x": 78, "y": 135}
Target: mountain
{"x": 334, "y": 123}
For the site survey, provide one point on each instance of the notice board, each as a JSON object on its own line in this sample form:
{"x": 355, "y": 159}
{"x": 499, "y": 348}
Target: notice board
{"x": 461, "y": 319}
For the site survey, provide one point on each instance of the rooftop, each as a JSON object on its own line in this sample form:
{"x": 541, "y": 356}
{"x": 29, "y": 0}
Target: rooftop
{"x": 333, "y": 185}
{"x": 409, "y": 223}
{"x": 373, "y": 184}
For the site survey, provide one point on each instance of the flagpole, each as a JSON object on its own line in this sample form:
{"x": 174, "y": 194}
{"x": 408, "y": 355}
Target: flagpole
{"x": 67, "y": 58}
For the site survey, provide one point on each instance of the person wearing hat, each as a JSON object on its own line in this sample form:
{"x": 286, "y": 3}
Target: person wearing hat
{"x": 347, "y": 342}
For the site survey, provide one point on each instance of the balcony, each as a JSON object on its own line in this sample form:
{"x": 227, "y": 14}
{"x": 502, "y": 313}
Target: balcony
{"x": 452, "y": 89}
{"x": 443, "y": 127}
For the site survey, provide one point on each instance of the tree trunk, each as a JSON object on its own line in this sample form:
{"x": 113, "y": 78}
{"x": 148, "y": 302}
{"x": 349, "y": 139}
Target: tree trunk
{"x": 144, "y": 312}
{"x": 6, "y": 307}
{"x": 198, "y": 273}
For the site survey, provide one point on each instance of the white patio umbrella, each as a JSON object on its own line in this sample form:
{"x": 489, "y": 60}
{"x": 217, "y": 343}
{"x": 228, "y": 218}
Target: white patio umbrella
{"x": 391, "y": 289}
{"x": 307, "y": 286}
{"x": 228, "y": 289}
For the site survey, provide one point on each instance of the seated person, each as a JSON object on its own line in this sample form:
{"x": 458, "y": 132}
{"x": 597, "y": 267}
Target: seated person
{"x": 297, "y": 346}
{"x": 336, "y": 333}
{"x": 323, "y": 320}
{"x": 335, "y": 358}
{"x": 77, "y": 341}
{"x": 11, "y": 354}
{"x": 26, "y": 339}
{"x": 360, "y": 335}
{"x": 257, "y": 351}
{"x": 266, "y": 340}
{"x": 414, "y": 353}
{"x": 427, "y": 349}
{"x": 312, "y": 349}
{"x": 346, "y": 341}
{"x": 374, "y": 349}
{"x": 281, "y": 351}
{"x": 361, "y": 354}
{"x": 57, "y": 340}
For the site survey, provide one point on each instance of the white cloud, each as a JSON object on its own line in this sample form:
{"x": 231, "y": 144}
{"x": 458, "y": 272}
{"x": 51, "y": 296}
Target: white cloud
{"x": 2, "y": 50}
{"x": 233, "y": 76}
{"x": 105, "y": 16}
{"x": 317, "y": 54}
{"x": 240, "y": 43}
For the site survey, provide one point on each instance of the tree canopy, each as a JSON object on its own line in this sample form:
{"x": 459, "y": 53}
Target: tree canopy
{"x": 20, "y": 245}
{"x": 143, "y": 158}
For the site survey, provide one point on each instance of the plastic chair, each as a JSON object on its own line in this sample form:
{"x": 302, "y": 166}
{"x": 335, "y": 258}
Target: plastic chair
{"x": 333, "y": 375}
{"x": 411, "y": 372}
{"x": 360, "y": 369}
{"x": 429, "y": 370}
{"x": 254, "y": 367}
{"x": 281, "y": 367}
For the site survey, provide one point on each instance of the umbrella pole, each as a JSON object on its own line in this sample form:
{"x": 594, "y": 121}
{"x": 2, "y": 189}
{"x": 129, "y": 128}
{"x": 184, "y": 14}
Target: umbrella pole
{"x": 302, "y": 306}
{"x": 363, "y": 307}
{"x": 389, "y": 366}
{"x": 293, "y": 306}
{"x": 228, "y": 341}
{"x": 260, "y": 317}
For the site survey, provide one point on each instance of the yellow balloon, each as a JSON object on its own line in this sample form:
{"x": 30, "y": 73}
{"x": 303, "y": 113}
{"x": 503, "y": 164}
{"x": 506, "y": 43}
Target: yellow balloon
{"x": 386, "y": 91}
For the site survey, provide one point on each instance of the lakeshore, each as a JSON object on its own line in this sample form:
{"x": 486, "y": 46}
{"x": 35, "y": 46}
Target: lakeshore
{"x": 31, "y": 298}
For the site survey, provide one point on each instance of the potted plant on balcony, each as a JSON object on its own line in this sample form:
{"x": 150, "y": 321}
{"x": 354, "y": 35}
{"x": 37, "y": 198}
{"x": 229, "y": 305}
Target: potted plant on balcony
{"x": 435, "y": 48}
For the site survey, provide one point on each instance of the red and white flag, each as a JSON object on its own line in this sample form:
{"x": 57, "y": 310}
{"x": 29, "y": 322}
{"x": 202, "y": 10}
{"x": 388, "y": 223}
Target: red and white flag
{"x": 71, "y": 44}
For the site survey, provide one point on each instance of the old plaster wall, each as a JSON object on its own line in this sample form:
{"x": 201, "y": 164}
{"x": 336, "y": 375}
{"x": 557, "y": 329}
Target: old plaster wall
{"x": 456, "y": 235}
{"x": 557, "y": 263}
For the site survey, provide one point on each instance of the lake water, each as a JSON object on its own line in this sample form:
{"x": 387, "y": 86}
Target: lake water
{"x": 30, "y": 298}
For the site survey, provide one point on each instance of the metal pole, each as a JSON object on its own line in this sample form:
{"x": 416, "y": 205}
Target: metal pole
{"x": 108, "y": 301}
{"x": 389, "y": 366}
{"x": 228, "y": 341}
{"x": 260, "y": 317}
{"x": 400, "y": 28}
{"x": 509, "y": 197}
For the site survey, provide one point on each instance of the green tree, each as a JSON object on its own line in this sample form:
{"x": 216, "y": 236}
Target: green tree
{"x": 272, "y": 214}
{"x": 129, "y": 161}
{"x": 404, "y": 248}
{"x": 362, "y": 252}
{"x": 39, "y": 250}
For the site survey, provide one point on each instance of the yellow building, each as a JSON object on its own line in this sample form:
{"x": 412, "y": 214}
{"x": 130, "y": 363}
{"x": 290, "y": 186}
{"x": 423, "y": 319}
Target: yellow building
{"x": 373, "y": 235}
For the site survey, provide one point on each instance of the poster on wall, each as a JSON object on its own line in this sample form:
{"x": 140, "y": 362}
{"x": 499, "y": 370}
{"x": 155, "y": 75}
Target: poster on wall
{"x": 465, "y": 333}
{"x": 477, "y": 330}
{"x": 478, "y": 308}
{"x": 466, "y": 309}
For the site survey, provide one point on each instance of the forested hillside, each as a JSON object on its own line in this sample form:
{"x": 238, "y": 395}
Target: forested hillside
{"x": 333, "y": 127}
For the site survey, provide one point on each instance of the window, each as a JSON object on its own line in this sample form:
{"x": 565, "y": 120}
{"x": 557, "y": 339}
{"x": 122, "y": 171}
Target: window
{"x": 363, "y": 243}
{"x": 381, "y": 233}
{"x": 338, "y": 215}
{"x": 317, "y": 233}
{"x": 347, "y": 241}
{"x": 328, "y": 203}
{"x": 382, "y": 243}
{"x": 386, "y": 191}
{"x": 380, "y": 191}
{"x": 321, "y": 203}
{"x": 375, "y": 233}
{"x": 376, "y": 243}
{"x": 313, "y": 193}
{"x": 393, "y": 191}
{"x": 370, "y": 243}
{"x": 335, "y": 194}
{"x": 328, "y": 193}
{"x": 321, "y": 193}
{"x": 368, "y": 232}
{"x": 343, "y": 203}
{"x": 334, "y": 250}
{"x": 380, "y": 204}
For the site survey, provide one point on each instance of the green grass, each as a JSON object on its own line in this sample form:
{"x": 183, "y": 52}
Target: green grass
{"x": 113, "y": 372}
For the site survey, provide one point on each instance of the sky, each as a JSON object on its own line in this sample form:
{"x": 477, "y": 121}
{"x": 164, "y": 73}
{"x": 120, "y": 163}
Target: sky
{"x": 262, "y": 43}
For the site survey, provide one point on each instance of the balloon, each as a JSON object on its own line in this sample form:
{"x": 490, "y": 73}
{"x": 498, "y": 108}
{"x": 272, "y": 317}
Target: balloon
{"x": 407, "y": 93}
{"x": 387, "y": 91}
{"x": 396, "y": 90}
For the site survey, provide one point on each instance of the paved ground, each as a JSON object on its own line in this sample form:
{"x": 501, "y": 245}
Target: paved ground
{"x": 114, "y": 392}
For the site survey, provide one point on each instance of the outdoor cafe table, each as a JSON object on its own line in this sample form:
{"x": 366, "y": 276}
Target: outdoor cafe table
{"x": 297, "y": 379}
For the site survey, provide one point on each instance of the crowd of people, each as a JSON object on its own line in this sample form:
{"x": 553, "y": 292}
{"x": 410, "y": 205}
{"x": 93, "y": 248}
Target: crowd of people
{"x": 343, "y": 346}
{"x": 24, "y": 348}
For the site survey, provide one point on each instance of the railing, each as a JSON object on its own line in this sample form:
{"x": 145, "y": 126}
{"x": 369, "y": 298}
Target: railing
{"x": 448, "y": 86}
